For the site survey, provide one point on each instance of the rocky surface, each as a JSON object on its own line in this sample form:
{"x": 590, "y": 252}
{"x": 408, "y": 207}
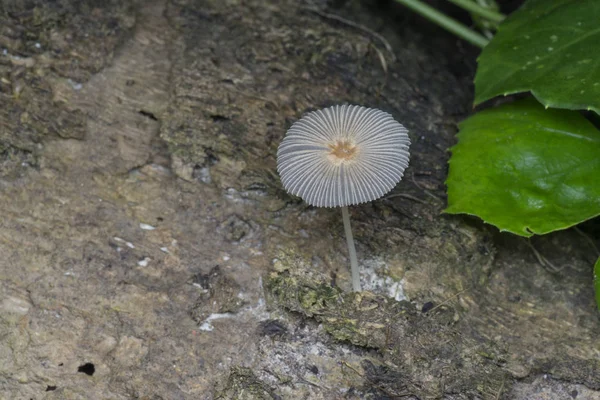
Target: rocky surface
{"x": 149, "y": 252}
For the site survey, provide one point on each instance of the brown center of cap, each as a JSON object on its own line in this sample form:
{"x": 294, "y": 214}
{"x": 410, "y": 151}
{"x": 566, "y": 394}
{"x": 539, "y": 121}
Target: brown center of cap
{"x": 341, "y": 151}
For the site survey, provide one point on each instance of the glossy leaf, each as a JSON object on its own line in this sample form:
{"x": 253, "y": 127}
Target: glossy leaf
{"x": 548, "y": 47}
{"x": 525, "y": 169}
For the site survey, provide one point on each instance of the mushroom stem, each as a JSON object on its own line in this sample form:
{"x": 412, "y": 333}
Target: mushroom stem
{"x": 351, "y": 250}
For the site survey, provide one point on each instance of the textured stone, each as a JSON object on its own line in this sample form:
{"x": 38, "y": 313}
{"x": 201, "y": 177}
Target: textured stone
{"x": 169, "y": 113}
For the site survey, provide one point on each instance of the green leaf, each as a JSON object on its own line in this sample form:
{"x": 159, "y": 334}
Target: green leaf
{"x": 548, "y": 47}
{"x": 525, "y": 169}
{"x": 597, "y": 282}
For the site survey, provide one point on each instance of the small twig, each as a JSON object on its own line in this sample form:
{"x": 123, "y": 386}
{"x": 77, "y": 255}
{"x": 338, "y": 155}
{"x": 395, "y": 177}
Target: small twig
{"x": 307, "y": 382}
{"x": 501, "y": 388}
{"x": 427, "y": 192}
{"x": 412, "y": 176}
{"x": 447, "y": 300}
{"x": 383, "y": 63}
{"x": 344, "y": 363}
{"x": 542, "y": 260}
{"x": 355, "y": 25}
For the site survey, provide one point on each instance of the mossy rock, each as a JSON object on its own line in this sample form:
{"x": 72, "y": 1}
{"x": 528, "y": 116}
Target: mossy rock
{"x": 431, "y": 351}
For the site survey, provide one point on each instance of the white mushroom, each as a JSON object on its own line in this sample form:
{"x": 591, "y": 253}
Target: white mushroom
{"x": 341, "y": 156}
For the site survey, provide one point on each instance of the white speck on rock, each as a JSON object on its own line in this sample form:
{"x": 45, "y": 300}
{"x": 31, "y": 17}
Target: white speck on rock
{"x": 374, "y": 278}
{"x": 75, "y": 85}
{"x": 147, "y": 227}
{"x": 238, "y": 197}
{"x": 207, "y": 326}
{"x": 257, "y": 311}
{"x": 128, "y": 244}
{"x": 144, "y": 262}
{"x": 204, "y": 175}
{"x": 164, "y": 250}
{"x": 232, "y": 194}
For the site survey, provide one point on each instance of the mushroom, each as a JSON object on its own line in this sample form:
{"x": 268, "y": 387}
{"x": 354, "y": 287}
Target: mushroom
{"x": 342, "y": 156}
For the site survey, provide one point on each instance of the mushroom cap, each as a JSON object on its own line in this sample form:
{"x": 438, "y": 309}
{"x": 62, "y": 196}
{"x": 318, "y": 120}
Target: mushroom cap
{"x": 343, "y": 155}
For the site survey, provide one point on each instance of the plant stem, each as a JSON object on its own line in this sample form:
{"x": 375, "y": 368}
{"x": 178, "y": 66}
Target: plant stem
{"x": 446, "y": 22}
{"x": 479, "y": 10}
{"x": 351, "y": 250}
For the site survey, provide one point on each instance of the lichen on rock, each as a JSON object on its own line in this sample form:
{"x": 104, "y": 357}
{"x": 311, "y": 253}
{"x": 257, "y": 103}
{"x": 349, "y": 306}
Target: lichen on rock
{"x": 413, "y": 345}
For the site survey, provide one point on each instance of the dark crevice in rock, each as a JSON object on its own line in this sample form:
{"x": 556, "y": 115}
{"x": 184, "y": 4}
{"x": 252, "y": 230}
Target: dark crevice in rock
{"x": 87, "y": 368}
{"x": 148, "y": 114}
